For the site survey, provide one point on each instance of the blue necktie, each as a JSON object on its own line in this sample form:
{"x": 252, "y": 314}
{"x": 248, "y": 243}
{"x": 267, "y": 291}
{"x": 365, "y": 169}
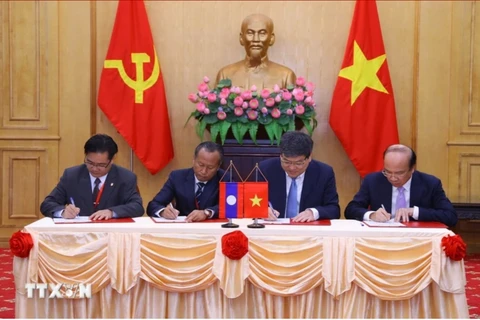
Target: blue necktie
{"x": 292, "y": 202}
{"x": 198, "y": 194}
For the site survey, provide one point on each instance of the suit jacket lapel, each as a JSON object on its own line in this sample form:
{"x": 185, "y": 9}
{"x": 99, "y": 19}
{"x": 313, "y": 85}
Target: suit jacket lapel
{"x": 307, "y": 188}
{"x": 85, "y": 190}
{"x": 385, "y": 194}
{"x": 416, "y": 191}
{"x": 189, "y": 187}
{"x": 108, "y": 187}
{"x": 279, "y": 194}
{"x": 209, "y": 189}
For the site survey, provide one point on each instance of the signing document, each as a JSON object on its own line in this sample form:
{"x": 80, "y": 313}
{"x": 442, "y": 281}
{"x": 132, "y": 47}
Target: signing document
{"x": 77, "y": 219}
{"x": 162, "y": 219}
{"x": 278, "y": 221}
{"x": 389, "y": 223}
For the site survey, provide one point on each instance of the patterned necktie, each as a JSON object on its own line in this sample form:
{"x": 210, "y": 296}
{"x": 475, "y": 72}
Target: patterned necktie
{"x": 198, "y": 194}
{"x": 292, "y": 202}
{"x": 401, "y": 201}
{"x": 96, "y": 189}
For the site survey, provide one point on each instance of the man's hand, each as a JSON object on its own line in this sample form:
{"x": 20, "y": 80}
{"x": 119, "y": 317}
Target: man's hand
{"x": 169, "y": 213}
{"x": 304, "y": 216}
{"x": 272, "y": 214}
{"x": 196, "y": 215}
{"x": 70, "y": 212}
{"x": 381, "y": 215}
{"x": 102, "y": 215}
{"x": 403, "y": 215}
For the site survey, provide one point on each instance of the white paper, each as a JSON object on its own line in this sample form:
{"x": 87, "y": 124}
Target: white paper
{"x": 278, "y": 221}
{"x": 389, "y": 223}
{"x": 161, "y": 219}
{"x": 78, "y": 219}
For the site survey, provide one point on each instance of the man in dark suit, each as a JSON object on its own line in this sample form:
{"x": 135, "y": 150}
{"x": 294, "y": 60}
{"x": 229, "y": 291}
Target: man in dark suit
{"x": 299, "y": 187}
{"x": 401, "y": 192}
{"x": 98, "y": 188}
{"x": 195, "y": 190}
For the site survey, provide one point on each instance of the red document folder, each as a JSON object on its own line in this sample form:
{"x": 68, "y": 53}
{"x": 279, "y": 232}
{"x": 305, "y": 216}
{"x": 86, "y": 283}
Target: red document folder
{"x": 204, "y": 221}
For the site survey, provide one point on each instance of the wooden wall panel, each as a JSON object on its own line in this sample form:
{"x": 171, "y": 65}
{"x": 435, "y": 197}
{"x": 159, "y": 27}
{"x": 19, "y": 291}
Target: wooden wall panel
{"x": 464, "y": 103}
{"x": 28, "y": 62}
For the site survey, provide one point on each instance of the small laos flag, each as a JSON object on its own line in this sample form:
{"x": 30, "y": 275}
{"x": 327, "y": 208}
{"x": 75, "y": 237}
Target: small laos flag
{"x": 231, "y": 200}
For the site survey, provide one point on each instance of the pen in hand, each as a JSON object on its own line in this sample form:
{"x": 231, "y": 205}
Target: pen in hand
{"x": 72, "y": 202}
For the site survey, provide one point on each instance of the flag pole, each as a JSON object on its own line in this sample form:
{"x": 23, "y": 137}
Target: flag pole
{"x": 131, "y": 159}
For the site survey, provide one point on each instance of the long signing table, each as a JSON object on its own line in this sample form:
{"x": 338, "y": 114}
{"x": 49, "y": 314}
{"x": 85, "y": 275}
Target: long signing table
{"x": 177, "y": 270}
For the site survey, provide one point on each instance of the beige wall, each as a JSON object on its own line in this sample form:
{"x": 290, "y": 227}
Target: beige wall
{"x": 51, "y": 54}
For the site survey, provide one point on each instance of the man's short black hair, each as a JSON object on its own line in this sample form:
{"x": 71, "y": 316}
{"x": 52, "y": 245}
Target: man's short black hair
{"x": 296, "y": 143}
{"x": 210, "y": 147}
{"x": 101, "y": 143}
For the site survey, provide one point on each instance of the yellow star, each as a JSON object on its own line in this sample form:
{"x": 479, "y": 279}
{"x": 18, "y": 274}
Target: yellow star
{"x": 256, "y": 201}
{"x": 363, "y": 73}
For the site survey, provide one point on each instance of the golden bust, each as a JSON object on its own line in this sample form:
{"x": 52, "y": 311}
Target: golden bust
{"x": 256, "y": 36}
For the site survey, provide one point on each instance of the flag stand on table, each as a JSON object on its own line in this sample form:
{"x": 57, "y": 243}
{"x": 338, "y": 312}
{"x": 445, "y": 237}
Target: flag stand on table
{"x": 230, "y": 204}
{"x": 252, "y": 190}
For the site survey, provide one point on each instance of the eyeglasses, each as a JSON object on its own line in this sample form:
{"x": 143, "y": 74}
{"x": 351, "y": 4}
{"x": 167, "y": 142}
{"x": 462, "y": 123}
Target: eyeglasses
{"x": 399, "y": 175}
{"x": 297, "y": 164}
{"x": 96, "y": 165}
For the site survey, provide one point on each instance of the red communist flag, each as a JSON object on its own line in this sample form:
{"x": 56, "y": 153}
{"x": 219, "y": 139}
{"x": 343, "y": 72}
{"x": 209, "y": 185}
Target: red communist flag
{"x": 131, "y": 92}
{"x": 363, "y": 108}
{"x": 255, "y": 199}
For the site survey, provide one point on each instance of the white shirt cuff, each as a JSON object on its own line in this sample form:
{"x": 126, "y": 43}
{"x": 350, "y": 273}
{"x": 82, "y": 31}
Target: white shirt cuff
{"x": 58, "y": 214}
{"x": 366, "y": 216}
{"x": 316, "y": 215}
{"x": 415, "y": 212}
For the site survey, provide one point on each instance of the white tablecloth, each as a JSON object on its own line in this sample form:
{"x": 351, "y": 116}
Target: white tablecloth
{"x": 152, "y": 270}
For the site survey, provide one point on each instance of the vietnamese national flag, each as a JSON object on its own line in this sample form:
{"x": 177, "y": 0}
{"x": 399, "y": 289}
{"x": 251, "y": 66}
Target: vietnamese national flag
{"x": 131, "y": 92}
{"x": 231, "y": 200}
{"x": 363, "y": 108}
{"x": 255, "y": 197}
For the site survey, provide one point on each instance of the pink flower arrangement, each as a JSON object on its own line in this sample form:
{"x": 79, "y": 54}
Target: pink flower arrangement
{"x": 227, "y": 107}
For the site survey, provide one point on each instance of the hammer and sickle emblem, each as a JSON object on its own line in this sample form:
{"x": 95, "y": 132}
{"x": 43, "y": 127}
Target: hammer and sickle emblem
{"x": 139, "y": 85}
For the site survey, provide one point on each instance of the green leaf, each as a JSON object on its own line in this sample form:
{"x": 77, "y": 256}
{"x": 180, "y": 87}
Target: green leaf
{"x": 200, "y": 128}
{"x": 278, "y": 131}
{"x": 193, "y": 114}
{"x": 270, "y": 128}
{"x": 252, "y": 130}
{"x": 224, "y": 126}
{"x": 291, "y": 125}
{"x": 214, "y": 130}
{"x": 290, "y": 87}
{"x": 284, "y": 120}
{"x": 231, "y": 117}
{"x": 308, "y": 126}
{"x": 243, "y": 120}
{"x": 224, "y": 83}
{"x": 284, "y": 106}
{"x": 210, "y": 118}
{"x": 239, "y": 131}
{"x": 213, "y": 106}
{"x": 264, "y": 119}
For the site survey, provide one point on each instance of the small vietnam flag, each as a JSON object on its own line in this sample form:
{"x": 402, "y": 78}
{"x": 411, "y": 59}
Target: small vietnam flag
{"x": 231, "y": 200}
{"x": 255, "y": 199}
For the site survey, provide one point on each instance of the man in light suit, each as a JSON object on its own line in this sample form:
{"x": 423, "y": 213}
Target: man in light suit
{"x": 299, "y": 187}
{"x": 401, "y": 192}
{"x": 98, "y": 188}
{"x": 195, "y": 190}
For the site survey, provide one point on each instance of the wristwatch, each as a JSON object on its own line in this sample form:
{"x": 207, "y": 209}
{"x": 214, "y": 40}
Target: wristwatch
{"x": 207, "y": 213}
